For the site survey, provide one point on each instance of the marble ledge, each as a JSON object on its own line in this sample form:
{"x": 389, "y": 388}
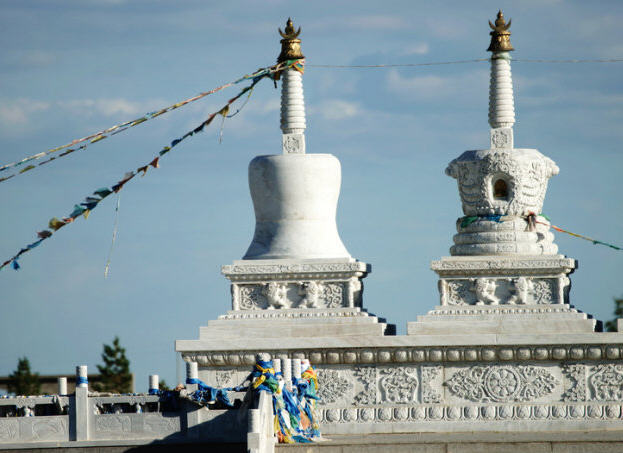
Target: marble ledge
{"x": 397, "y": 438}
{"x": 399, "y": 341}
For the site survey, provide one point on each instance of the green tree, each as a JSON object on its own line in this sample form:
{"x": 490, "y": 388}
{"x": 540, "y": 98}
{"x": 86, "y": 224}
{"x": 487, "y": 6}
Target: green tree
{"x": 115, "y": 372}
{"x": 611, "y": 326}
{"x": 162, "y": 385}
{"x": 23, "y": 381}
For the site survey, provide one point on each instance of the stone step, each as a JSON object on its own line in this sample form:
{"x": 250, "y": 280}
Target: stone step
{"x": 267, "y": 329}
{"x": 544, "y": 442}
{"x": 528, "y": 325}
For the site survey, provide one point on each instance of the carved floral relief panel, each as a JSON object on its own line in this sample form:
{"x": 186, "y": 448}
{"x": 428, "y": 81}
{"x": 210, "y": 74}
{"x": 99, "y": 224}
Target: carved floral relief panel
{"x": 275, "y": 295}
{"x": 504, "y": 383}
{"x": 601, "y": 382}
{"x": 606, "y": 382}
{"x": 498, "y": 291}
{"x": 9, "y": 429}
{"x": 369, "y": 385}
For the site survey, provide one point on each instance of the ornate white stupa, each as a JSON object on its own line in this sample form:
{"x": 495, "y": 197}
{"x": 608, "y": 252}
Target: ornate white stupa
{"x": 504, "y": 273}
{"x": 296, "y": 280}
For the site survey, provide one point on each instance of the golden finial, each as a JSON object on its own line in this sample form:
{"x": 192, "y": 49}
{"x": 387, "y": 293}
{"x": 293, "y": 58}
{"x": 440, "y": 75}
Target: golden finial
{"x": 290, "y": 33}
{"x": 290, "y": 44}
{"x": 500, "y": 36}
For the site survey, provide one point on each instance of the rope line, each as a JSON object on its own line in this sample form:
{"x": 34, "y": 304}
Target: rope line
{"x": 475, "y": 60}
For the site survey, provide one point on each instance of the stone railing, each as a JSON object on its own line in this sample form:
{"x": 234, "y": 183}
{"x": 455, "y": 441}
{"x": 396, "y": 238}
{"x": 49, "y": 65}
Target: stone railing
{"x": 261, "y": 436}
{"x": 90, "y": 418}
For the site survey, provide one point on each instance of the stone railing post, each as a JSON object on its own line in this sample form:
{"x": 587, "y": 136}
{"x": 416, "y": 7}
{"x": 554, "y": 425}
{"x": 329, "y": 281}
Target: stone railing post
{"x": 192, "y": 413}
{"x": 286, "y": 367}
{"x": 62, "y": 386}
{"x": 79, "y": 411}
{"x": 260, "y": 434}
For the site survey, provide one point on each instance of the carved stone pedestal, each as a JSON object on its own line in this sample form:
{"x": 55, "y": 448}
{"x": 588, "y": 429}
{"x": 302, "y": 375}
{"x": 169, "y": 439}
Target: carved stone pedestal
{"x": 510, "y": 294}
{"x": 282, "y": 284}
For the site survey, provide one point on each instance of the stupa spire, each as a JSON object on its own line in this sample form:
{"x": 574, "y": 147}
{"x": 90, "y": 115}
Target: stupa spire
{"x": 292, "y": 101}
{"x": 501, "y": 101}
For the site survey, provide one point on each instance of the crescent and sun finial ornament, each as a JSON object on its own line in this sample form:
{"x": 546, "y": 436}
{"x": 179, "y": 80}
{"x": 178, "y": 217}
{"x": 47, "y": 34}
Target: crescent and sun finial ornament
{"x": 289, "y": 31}
{"x": 500, "y": 36}
{"x": 290, "y": 44}
{"x": 500, "y": 23}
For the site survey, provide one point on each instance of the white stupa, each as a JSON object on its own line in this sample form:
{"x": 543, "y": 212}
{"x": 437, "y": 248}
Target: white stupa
{"x": 295, "y": 194}
{"x": 504, "y": 273}
{"x": 296, "y": 280}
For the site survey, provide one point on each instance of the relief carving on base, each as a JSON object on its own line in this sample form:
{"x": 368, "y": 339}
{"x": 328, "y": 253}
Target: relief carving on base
{"x": 158, "y": 424}
{"x": 283, "y": 295}
{"x": 332, "y": 386}
{"x": 535, "y": 413}
{"x": 333, "y": 295}
{"x": 502, "y": 383}
{"x": 276, "y": 295}
{"x": 251, "y": 298}
{"x": 235, "y": 269}
{"x": 398, "y": 384}
{"x": 224, "y": 378}
{"x": 113, "y": 423}
{"x": 429, "y": 375}
{"x": 497, "y": 291}
{"x": 50, "y": 427}
{"x": 606, "y": 382}
{"x": 293, "y": 143}
{"x": 311, "y": 292}
{"x": 366, "y": 375}
{"x": 484, "y": 289}
{"x": 9, "y": 429}
{"x": 575, "y": 374}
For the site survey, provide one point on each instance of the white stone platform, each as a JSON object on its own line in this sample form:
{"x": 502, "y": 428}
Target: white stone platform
{"x": 292, "y": 323}
{"x": 503, "y": 294}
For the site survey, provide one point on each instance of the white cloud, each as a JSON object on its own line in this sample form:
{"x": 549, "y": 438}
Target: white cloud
{"x": 18, "y": 111}
{"x": 377, "y": 22}
{"x": 417, "y": 49}
{"x": 426, "y": 85}
{"x": 111, "y": 107}
{"x": 438, "y": 87}
{"x": 336, "y": 109}
{"x": 264, "y": 106}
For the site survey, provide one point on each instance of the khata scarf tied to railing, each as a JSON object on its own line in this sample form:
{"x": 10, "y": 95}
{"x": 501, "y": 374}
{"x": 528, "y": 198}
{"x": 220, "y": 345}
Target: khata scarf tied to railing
{"x": 291, "y": 422}
{"x": 308, "y": 388}
{"x": 206, "y": 394}
{"x": 533, "y": 220}
{"x": 92, "y": 201}
{"x": 272, "y": 72}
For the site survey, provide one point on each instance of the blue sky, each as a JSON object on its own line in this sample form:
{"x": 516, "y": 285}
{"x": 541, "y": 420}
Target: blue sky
{"x": 70, "y": 68}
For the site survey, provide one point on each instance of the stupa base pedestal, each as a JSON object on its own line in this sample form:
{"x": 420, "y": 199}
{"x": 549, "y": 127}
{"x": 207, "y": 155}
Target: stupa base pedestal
{"x": 444, "y": 320}
{"x": 259, "y": 285}
{"x": 293, "y": 323}
{"x": 512, "y": 294}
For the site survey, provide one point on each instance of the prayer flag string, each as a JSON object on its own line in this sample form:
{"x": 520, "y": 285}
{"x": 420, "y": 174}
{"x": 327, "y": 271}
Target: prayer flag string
{"x": 586, "y": 238}
{"x": 93, "y": 200}
{"x": 114, "y": 236}
{"x": 532, "y": 219}
{"x": 118, "y": 128}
